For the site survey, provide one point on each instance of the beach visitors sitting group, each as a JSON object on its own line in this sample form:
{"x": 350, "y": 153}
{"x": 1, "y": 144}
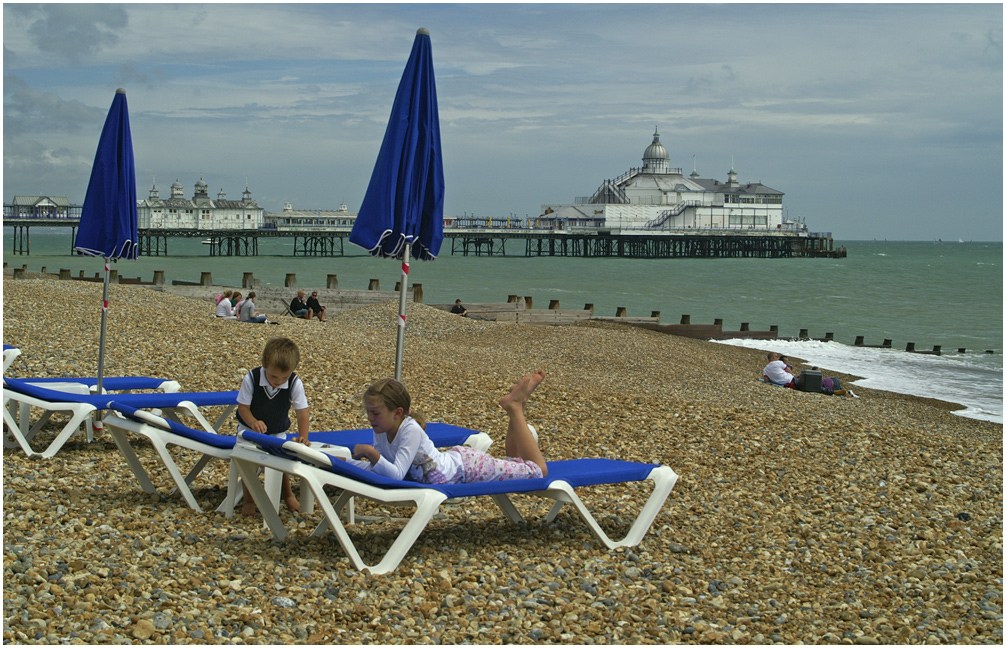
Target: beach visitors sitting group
{"x": 315, "y": 307}
{"x": 225, "y": 308}
{"x": 458, "y": 309}
{"x": 778, "y": 372}
{"x": 247, "y": 312}
{"x": 309, "y": 308}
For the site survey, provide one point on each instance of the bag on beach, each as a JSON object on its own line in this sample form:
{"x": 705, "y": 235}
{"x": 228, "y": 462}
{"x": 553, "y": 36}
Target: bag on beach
{"x": 830, "y": 385}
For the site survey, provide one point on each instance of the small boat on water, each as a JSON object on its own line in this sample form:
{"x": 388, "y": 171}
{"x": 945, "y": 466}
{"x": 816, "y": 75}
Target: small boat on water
{"x": 207, "y": 241}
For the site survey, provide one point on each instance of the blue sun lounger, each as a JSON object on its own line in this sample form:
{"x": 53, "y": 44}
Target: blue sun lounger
{"x": 21, "y": 395}
{"x": 163, "y": 434}
{"x": 318, "y": 469}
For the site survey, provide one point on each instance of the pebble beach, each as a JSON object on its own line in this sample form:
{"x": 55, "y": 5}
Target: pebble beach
{"x": 797, "y": 517}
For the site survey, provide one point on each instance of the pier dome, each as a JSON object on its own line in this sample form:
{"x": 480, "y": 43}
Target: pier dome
{"x": 655, "y": 157}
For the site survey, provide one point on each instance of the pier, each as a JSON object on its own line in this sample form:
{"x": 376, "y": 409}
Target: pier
{"x": 491, "y": 239}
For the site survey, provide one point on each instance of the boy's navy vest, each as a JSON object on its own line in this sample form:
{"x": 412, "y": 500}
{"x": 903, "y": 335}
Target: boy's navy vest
{"x": 275, "y": 411}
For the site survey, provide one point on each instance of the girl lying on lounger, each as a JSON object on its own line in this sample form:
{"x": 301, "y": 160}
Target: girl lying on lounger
{"x": 402, "y": 450}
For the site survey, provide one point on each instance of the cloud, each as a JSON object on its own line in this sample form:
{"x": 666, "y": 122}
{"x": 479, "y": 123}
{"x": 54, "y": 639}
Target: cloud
{"x": 71, "y": 31}
{"x": 27, "y": 109}
{"x": 130, "y": 74}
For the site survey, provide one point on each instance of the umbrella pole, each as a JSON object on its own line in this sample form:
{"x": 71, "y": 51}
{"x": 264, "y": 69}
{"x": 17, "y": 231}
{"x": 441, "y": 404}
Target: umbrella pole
{"x": 400, "y": 347}
{"x": 101, "y": 343}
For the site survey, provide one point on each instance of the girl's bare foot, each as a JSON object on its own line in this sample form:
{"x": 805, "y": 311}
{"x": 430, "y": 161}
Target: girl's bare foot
{"x": 292, "y": 503}
{"x": 248, "y": 508}
{"x": 521, "y": 391}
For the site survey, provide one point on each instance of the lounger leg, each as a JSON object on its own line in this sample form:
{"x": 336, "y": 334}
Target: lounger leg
{"x": 427, "y": 504}
{"x": 223, "y": 418}
{"x": 198, "y": 468}
{"x": 176, "y": 474}
{"x": 71, "y": 428}
{"x": 663, "y": 479}
{"x": 505, "y": 505}
{"x": 234, "y": 492}
{"x": 554, "y": 511}
{"x": 249, "y": 475}
{"x": 122, "y": 441}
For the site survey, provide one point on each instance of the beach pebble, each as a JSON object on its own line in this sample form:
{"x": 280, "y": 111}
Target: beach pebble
{"x": 797, "y": 518}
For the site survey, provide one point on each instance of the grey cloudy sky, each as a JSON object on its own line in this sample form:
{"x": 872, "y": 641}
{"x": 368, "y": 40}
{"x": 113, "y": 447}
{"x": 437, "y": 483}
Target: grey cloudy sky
{"x": 877, "y": 121}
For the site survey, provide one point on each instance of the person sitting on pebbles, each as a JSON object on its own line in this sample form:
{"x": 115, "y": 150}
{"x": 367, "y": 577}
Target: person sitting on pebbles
{"x": 778, "y": 372}
{"x": 315, "y": 307}
{"x": 264, "y": 402}
{"x": 402, "y": 450}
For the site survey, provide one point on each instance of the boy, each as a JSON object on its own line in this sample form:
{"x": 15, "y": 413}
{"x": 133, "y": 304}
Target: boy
{"x": 264, "y": 402}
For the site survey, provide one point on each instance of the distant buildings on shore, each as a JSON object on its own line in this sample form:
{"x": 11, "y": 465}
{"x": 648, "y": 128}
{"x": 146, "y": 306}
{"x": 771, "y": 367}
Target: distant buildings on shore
{"x": 653, "y": 197}
{"x": 199, "y": 212}
{"x": 658, "y": 196}
{"x": 204, "y": 213}
{"x": 42, "y": 207}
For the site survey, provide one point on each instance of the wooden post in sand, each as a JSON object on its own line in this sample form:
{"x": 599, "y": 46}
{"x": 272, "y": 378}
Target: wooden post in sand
{"x": 553, "y": 304}
{"x": 158, "y": 277}
{"x": 375, "y": 284}
{"x": 621, "y": 311}
{"x": 686, "y": 319}
{"x": 291, "y": 280}
{"x": 248, "y": 280}
{"x": 206, "y": 279}
{"x": 333, "y": 282}
{"x": 417, "y": 293}
{"x": 64, "y": 274}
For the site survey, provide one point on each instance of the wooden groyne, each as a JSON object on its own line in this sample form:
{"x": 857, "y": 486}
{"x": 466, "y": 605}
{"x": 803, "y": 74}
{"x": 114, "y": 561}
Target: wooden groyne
{"x": 516, "y": 310}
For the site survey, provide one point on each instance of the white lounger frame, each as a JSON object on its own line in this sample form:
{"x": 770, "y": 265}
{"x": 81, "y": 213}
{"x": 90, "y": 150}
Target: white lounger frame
{"x": 10, "y": 354}
{"x": 248, "y": 457}
{"x": 21, "y": 431}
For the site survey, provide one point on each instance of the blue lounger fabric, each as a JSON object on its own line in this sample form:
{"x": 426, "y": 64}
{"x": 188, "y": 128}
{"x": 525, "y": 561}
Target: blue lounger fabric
{"x": 100, "y": 401}
{"x": 109, "y": 383}
{"x": 443, "y": 435}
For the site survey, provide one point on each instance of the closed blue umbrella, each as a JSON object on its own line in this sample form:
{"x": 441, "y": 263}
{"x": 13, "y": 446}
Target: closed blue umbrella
{"x": 402, "y": 213}
{"x": 108, "y": 223}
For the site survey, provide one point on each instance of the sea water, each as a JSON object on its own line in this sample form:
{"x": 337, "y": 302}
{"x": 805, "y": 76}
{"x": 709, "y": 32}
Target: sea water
{"x": 929, "y": 293}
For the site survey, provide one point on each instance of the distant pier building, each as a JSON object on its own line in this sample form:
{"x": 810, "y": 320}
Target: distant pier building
{"x": 658, "y": 196}
{"x": 200, "y": 212}
{"x": 310, "y": 219}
